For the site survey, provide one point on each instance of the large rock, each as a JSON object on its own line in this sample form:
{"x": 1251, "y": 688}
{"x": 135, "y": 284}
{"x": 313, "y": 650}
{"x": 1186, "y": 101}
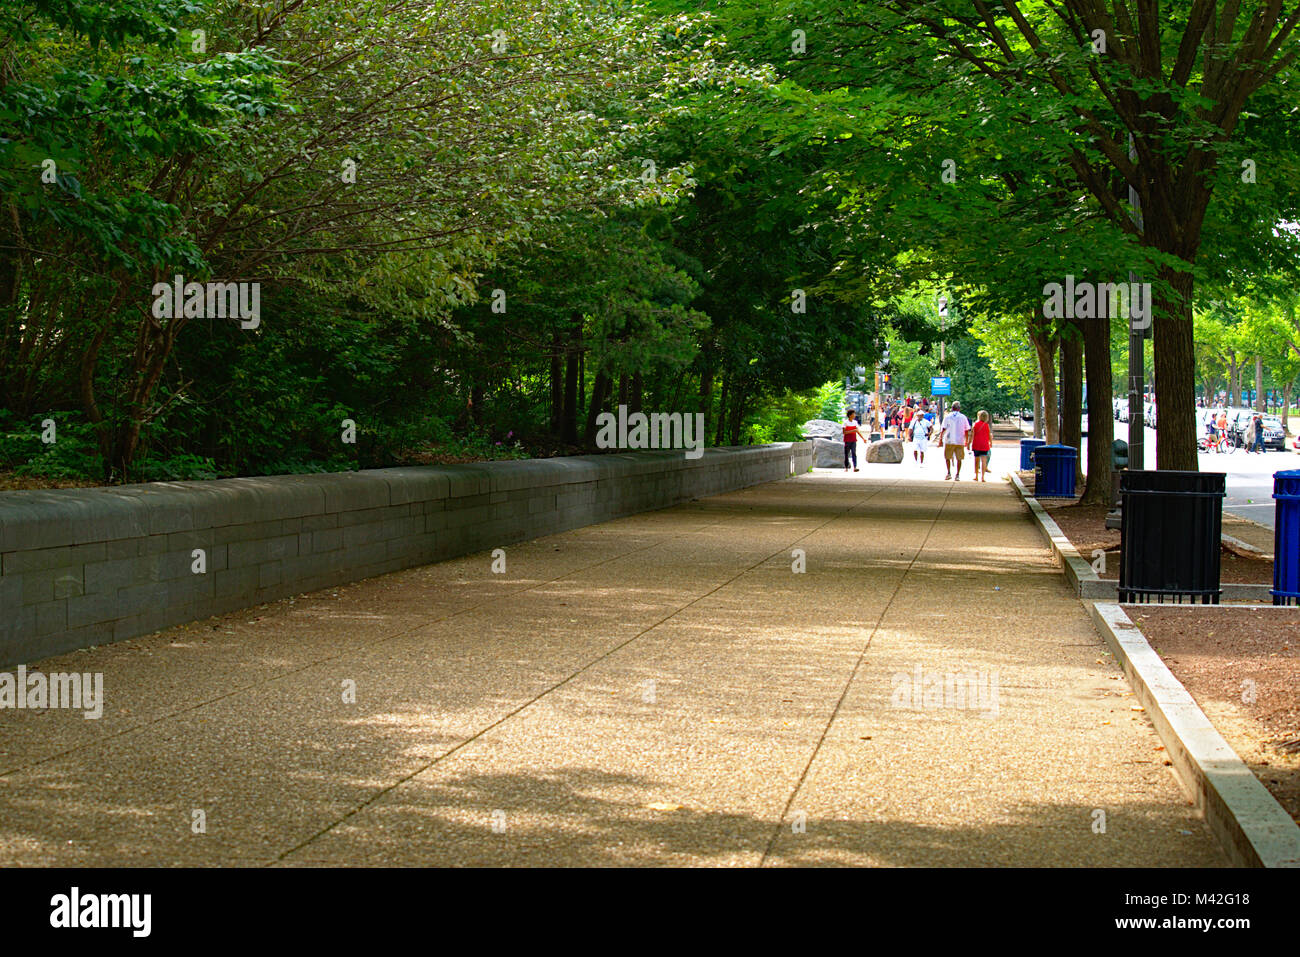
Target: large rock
{"x": 828, "y": 454}
{"x": 823, "y": 429}
{"x": 886, "y": 451}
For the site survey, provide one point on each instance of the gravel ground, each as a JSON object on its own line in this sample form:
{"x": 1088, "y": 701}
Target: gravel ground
{"x": 1085, "y": 527}
{"x": 1243, "y": 668}
{"x": 767, "y": 677}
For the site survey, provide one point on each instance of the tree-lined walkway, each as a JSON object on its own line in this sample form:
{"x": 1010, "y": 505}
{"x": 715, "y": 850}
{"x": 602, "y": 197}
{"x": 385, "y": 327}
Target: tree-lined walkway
{"x": 663, "y": 689}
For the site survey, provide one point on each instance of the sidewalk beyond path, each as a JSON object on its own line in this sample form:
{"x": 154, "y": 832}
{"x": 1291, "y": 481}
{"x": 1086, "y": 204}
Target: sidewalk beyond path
{"x": 662, "y": 689}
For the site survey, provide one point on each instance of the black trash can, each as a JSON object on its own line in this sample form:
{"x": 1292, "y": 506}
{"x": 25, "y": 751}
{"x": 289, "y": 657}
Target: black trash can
{"x": 1171, "y": 536}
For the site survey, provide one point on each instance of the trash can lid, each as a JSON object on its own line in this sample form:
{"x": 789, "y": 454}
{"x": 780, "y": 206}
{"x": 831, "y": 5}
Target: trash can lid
{"x": 1173, "y": 481}
{"x": 1286, "y": 485}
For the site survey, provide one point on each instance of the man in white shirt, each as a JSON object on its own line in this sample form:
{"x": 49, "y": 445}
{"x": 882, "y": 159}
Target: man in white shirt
{"x": 955, "y": 428}
{"x": 920, "y": 435}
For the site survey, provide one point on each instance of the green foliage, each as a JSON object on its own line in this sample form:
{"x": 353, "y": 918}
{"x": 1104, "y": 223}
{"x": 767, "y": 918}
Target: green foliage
{"x": 831, "y": 401}
{"x": 974, "y": 383}
{"x": 469, "y": 250}
{"x": 72, "y": 454}
{"x": 781, "y": 418}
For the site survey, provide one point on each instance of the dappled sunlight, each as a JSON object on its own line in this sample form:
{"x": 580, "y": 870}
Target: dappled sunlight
{"x": 644, "y": 691}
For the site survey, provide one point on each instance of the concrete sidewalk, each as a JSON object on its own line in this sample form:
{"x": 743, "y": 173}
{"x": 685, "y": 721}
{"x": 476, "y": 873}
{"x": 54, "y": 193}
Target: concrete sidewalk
{"x": 659, "y": 690}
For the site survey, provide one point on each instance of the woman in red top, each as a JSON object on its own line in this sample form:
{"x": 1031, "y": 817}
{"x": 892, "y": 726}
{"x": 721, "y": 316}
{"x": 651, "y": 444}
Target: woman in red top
{"x": 980, "y": 442}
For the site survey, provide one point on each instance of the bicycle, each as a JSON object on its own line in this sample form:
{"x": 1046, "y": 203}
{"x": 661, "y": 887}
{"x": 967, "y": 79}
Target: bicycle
{"x": 1220, "y": 442}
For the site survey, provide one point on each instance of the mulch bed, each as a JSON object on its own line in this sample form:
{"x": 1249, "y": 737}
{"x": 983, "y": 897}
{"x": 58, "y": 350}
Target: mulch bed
{"x": 1242, "y": 666}
{"x": 9, "y": 482}
{"x": 1085, "y": 527}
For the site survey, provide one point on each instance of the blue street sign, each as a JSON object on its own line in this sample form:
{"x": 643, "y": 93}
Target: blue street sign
{"x": 941, "y": 385}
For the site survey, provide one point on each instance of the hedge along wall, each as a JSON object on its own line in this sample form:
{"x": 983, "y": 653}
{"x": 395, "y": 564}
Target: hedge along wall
{"x": 83, "y": 567}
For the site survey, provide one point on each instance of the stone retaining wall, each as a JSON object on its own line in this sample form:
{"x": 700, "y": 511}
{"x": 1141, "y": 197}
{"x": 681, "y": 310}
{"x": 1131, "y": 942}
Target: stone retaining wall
{"x": 83, "y": 567}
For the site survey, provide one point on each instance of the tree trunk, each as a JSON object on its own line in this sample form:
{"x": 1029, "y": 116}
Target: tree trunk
{"x": 1038, "y": 410}
{"x": 476, "y": 403}
{"x": 706, "y": 395}
{"x": 599, "y": 391}
{"x": 1176, "y": 374}
{"x": 1234, "y": 379}
{"x": 1259, "y": 383}
{"x": 1098, "y": 488}
{"x": 572, "y": 383}
{"x": 721, "y": 434}
{"x": 1286, "y": 405}
{"x": 737, "y": 415}
{"x": 634, "y": 397}
{"x": 1045, "y": 346}
{"x": 557, "y": 383}
{"x": 1072, "y": 391}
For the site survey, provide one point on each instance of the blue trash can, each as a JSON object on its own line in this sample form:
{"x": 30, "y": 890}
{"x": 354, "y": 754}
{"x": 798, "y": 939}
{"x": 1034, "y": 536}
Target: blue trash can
{"x": 1054, "y": 471}
{"x": 1286, "y": 540}
{"x": 1027, "y": 447}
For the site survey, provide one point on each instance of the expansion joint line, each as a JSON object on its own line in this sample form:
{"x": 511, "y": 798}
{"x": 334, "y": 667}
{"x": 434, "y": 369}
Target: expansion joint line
{"x": 853, "y": 673}
{"x": 564, "y": 681}
{"x": 279, "y": 676}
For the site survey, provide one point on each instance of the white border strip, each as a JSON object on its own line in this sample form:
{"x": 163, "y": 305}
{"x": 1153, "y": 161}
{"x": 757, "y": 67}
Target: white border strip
{"x": 1254, "y": 829}
{"x": 1085, "y": 582}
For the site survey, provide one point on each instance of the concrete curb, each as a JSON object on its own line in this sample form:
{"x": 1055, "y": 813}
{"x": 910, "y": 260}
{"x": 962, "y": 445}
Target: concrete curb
{"x": 1088, "y": 585}
{"x": 1245, "y": 549}
{"x": 1078, "y": 572}
{"x": 1252, "y": 827}
{"x": 1244, "y": 816}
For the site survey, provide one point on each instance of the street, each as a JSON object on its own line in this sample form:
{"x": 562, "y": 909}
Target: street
{"x": 1250, "y": 477}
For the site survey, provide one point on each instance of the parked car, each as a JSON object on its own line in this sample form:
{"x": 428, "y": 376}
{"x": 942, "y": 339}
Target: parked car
{"x": 1274, "y": 434}
{"x": 1239, "y": 424}
{"x": 1121, "y": 410}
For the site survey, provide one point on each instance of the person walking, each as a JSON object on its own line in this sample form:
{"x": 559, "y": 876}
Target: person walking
{"x": 851, "y": 430}
{"x": 980, "y": 441}
{"x": 954, "y": 429}
{"x": 1255, "y": 435}
{"x": 920, "y": 435}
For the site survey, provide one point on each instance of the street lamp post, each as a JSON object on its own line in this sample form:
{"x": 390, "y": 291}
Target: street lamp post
{"x": 1136, "y": 388}
{"x": 943, "y": 358}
